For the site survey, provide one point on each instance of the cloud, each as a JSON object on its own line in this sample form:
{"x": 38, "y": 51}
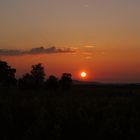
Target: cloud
{"x": 5, "y": 52}
{"x": 88, "y": 57}
{"x": 90, "y": 46}
{"x": 35, "y": 51}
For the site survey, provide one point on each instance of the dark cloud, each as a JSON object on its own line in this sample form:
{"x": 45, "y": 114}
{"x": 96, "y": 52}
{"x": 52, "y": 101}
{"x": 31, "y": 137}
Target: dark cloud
{"x": 34, "y": 51}
{"x": 5, "y": 52}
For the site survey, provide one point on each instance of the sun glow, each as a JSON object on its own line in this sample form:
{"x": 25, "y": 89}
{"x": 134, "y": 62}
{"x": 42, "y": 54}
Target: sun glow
{"x": 83, "y": 74}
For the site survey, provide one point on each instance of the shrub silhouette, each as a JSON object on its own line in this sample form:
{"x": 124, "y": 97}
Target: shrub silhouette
{"x": 66, "y": 81}
{"x": 33, "y": 80}
{"x": 51, "y": 83}
{"x": 7, "y": 74}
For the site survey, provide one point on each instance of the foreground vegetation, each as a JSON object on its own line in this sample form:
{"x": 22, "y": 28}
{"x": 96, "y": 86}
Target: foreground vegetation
{"x": 87, "y": 112}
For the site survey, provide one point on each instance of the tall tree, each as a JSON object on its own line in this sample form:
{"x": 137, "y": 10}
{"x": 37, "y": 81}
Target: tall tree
{"x": 38, "y": 74}
{"x": 34, "y": 79}
{"x": 7, "y": 74}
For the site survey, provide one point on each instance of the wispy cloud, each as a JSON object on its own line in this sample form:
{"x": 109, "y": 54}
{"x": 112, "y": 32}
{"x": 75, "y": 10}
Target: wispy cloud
{"x": 35, "y": 51}
{"x": 90, "y": 46}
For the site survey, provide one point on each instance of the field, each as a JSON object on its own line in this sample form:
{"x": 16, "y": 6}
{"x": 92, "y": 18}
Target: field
{"x": 86, "y": 111}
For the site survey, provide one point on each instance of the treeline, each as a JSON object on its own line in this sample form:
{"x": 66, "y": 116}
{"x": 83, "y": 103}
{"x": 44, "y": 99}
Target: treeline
{"x": 35, "y": 79}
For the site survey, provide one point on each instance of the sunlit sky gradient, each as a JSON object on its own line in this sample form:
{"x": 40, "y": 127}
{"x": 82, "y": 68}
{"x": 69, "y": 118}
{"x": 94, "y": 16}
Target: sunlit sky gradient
{"x": 105, "y": 35}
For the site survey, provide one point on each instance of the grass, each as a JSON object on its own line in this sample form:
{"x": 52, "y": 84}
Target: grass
{"x": 87, "y": 112}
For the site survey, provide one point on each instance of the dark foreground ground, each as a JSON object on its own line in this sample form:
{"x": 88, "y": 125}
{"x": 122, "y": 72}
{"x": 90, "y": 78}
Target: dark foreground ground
{"x": 88, "y": 112}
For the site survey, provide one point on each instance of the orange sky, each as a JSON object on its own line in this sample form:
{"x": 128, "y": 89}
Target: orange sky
{"x": 103, "y": 33}
{"x": 108, "y": 65}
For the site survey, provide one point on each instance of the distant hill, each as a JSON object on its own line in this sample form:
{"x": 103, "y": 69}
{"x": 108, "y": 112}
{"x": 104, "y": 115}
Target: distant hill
{"x": 76, "y": 82}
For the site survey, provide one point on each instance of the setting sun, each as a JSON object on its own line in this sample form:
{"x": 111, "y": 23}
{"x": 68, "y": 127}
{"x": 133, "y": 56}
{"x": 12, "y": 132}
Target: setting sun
{"x": 83, "y": 74}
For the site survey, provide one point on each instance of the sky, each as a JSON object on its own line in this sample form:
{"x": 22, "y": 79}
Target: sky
{"x": 98, "y": 36}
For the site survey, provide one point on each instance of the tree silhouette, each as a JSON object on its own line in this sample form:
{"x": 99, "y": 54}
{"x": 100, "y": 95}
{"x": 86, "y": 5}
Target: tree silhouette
{"x": 7, "y": 74}
{"x": 26, "y": 82}
{"x": 51, "y": 83}
{"x": 33, "y": 80}
{"x": 38, "y": 74}
{"x": 66, "y": 81}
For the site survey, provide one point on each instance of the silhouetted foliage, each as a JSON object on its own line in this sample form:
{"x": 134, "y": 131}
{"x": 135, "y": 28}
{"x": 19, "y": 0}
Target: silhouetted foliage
{"x": 66, "y": 81}
{"x": 26, "y": 82}
{"x": 7, "y": 74}
{"x": 38, "y": 74}
{"x": 51, "y": 83}
{"x": 33, "y": 80}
